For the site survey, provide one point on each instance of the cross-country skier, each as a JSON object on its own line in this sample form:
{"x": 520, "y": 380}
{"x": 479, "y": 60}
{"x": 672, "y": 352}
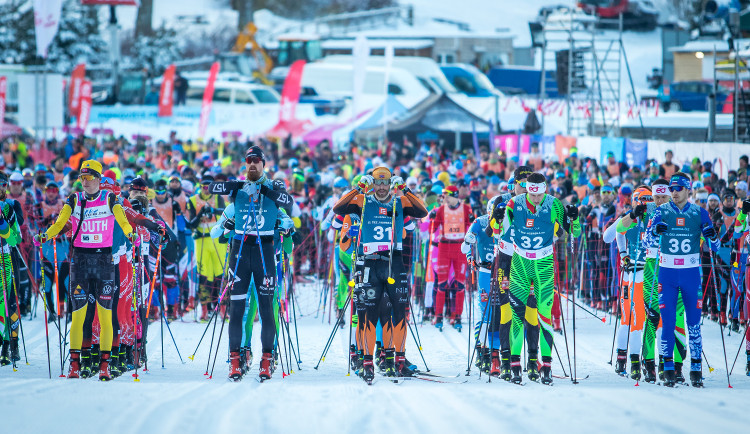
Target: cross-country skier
{"x": 679, "y": 225}
{"x": 383, "y": 279}
{"x": 533, "y": 216}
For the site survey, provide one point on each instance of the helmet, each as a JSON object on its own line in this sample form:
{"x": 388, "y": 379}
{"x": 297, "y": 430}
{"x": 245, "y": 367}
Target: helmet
{"x": 40, "y": 168}
{"x": 340, "y": 182}
{"x": 642, "y": 195}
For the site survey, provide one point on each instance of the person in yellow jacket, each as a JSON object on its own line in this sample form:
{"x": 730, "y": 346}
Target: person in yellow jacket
{"x": 92, "y": 214}
{"x": 203, "y": 210}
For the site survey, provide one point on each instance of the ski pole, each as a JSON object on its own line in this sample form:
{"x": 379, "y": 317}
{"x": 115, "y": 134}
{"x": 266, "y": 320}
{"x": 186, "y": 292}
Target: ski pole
{"x": 742, "y": 341}
{"x": 393, "y": 237}
{"x": 46, "y": 323}
{"x": 331, "y": 337}
{"x": 153, "y": 282}
{"x": 218, "y": 344}
{"x": 574, "y": 370}
{"x": 419, "y": 347}
{"x": 617, "y": 316}
{"x": 721, "y": 328}
{"x": 20, "y": 317}
{"x": 562, "y": 320}
{"x": 583, "y": 308}
{"x": 6, "y": 302}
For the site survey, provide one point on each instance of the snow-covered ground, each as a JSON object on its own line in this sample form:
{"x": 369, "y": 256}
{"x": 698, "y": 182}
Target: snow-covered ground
{"x": 179, "y": 398}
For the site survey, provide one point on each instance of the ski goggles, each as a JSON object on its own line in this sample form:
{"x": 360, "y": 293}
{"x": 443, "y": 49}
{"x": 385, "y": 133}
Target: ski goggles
{"x": 86, "y": 177}
{"x": 161, "y": 191}
{"x": 677, "y": 188}
{"x": 382, "y": 182}
{"x": 253, "y": 160}
{"x": 16, "y": 182}
{"x": 50, "y": 189}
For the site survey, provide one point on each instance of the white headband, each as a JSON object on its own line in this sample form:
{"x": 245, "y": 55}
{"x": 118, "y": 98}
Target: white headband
{"x": 660, "y": 190}
{"x": 535, "y": 188}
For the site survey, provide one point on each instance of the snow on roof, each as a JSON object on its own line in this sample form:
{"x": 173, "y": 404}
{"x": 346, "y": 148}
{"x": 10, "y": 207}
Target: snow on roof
{"x": 705, "y": 45}
{"x": 414, "y": 44}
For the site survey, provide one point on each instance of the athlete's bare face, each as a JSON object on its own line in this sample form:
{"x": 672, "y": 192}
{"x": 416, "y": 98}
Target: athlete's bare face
{"x": 536, "y": 198}
{"x": 661, "y": 199}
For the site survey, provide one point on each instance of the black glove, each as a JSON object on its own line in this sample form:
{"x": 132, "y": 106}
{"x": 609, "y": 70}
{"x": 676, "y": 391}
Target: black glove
{"x": 162, "y": 231}
{"x": 433, "y": 213}
{"x": 229, "y": 224}
{"x": 207, "y": 211}
{"x": 638, "y": 212}
{"x": 296, "y": 238}
{"x": 660, "y": 228}
{"x": 709, "y": 232}
{"x": 746, "y": 206}
{"x": 571, "y": 211}
{"x": 279, "y": 185}
{"x": 498, "y": 213}
{"x": 176, "y": 208}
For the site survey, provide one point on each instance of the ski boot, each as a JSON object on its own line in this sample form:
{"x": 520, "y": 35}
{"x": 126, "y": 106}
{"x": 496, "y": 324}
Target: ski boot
{"x": 380, "y": 351}
{"x": 248, "y": 358}
{"x": 235, "y": 369}
{"x": 94, "y": 356}
{"x": 14, "y": 354}
{"x": 75, "y": 364}
{"x": 722, "y": 318}
{"x": 495, "y": 364}
{"x": 505, "y": 371}
{"x": 515, "y": 369}
{"x": 428, "y": 314}
{"x": 85, "y": 363}
{"x": 356, "y": 361}
{"x": 368, "y": 370}
{"x": 678, "y": 377}
{"x": 438, "y": 322}
{"x": 622, "y": 357}
{"x": 122, "y": 360}
{"x": 243, "y": 362}
{"x": 266, "y": 369}
{"x": 546, "y": 370}
{"x": 669, "y": 378}
{"x": 649, "y": 371}
{"x": 696, "y": 378}
{"x": 402, "y": 369}
{"x": 104, "y": 373}
{"x": 557, "y": 324}
{"x": 735, "y": 325}
{"x": 635, "y": 367}
{"x": 457, "y": 325}
{"x": 479, "y": 361}
{"x": 661, "y": 368}
{"x": 390, "y": 362}
{"x": 747, "y": 367}
{"x": 114, "y": 362}
{"x": 486, "y": 362}
{"x": 532, "y": 368}
{"x": 51, "y": 317}
{"x": 129, "y": 357}
{"x": 5, "y": 354}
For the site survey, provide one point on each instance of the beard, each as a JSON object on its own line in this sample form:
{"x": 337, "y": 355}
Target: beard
{"x": 254, "y": 176}
{"x": 175, "y": 191}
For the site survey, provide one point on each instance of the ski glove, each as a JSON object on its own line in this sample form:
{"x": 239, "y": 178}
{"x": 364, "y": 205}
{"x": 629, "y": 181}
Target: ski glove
{"x": 365, "y": 182}
{"x": 433, "y": 213}
{"x": 498, "y": 213}
{"x": 625, "y": 260}
{"x": 39, "y": 239}
{"x": 638, "y": 212}
{"x": 353, "y": 231}
{"x": 709, "y": 232}
{"x": 397, "y": 183}
{"x": 572, "y": 212}
{"x": 229, "y": 225}
{"x": 470, "y": 238}
{"x": 176, "y": 208}
{"x": 660, "y": 228}
{"x": 746, "y": 206}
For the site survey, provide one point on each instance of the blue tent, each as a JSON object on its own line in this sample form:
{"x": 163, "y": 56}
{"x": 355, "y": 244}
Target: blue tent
{"x": 389, "y": 110}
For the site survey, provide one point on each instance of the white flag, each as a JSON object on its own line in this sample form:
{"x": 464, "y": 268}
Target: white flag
{"x": 46, "y": 23}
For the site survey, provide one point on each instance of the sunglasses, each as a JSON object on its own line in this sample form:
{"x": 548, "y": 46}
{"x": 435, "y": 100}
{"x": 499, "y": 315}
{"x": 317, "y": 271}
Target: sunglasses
{"x": 382, "y": 182}
{"x": 522, "y": 184}
{"x": 702, "y": 200}
{"x": 253, "y": 160}
{"x": 205, "y": 186}
{"x": 16, "y": 182}
{"x": 677, "y": 188}
{"x": 608, "y": 192}
{"x": 161, "y": 191}
{"x": 52, "y": 189}
{"x": 646, "y": 199}
{"x": 87, "y": 177}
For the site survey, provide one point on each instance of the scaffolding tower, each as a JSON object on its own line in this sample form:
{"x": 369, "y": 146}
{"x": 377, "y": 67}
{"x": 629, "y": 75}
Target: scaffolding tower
{"x": 588, "y": 65}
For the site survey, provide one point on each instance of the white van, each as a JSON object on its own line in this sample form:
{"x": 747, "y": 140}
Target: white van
{"x": 232, "y": 92}
{"x": 425, "y": 69}
{"x": 337, "y": 80}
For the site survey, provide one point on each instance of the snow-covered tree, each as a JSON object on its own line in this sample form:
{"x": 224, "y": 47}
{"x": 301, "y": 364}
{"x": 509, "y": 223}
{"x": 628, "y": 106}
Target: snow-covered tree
{"x": 152, "y": 52}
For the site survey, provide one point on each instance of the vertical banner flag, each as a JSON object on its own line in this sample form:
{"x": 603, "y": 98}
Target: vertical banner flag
{"x": 85, "y": 113}
{"x": 166, "y": 99}
{"x": 3, "y": 93}
{"x": 208, "y": 97}
{"x": 46, "y": 23}
{"x": 290, "y": 92}
{"x": 74, "y": 91}
{"x": 360, "y": 54}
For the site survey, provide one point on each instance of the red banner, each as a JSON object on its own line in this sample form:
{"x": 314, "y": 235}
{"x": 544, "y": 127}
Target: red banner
{"x": 74, "y": 91}
{"x": 208, "y": 97}
{"x": 290, "y": 92}
{"x": 166, "y": 99}
{"x": 112, "y": 2}
{"x": 3, "y": 92}
{"x": 83, "y": 118}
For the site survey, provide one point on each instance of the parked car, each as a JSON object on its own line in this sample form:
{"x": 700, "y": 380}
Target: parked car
{"x": 232, "y": 92}
{"x": 469, "y": 80}
{"x": 691, "y": 96}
